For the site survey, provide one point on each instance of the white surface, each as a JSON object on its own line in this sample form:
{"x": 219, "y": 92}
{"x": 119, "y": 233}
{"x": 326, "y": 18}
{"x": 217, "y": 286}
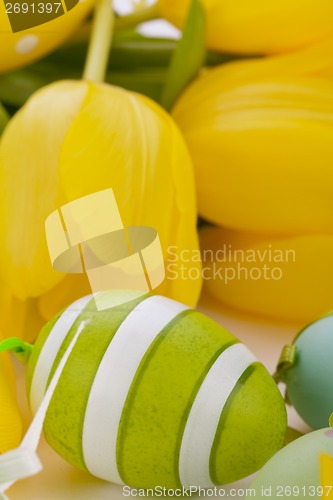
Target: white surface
{"x": 157, "y": 28}
{"x": 61, "y": 481}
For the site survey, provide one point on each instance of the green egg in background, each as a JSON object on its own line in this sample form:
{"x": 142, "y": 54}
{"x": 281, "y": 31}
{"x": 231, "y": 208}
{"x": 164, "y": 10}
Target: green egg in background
{"x": 309, "y": 380}
{"x": 155, "y": 394}
{"x": 296, "y": 470}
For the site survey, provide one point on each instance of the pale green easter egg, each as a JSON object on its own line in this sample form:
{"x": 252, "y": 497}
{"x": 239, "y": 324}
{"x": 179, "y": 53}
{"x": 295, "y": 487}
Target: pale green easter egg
{"x": 155, "y": 394}
{"x": 296, "y": 470}
{"x": 310, "y": 380}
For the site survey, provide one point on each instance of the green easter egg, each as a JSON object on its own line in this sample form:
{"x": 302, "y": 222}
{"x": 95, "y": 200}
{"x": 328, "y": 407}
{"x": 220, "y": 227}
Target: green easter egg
{"x": 155, "y": 393}
{"x": 310, "y": 380}
{"x": 295, "y": 470}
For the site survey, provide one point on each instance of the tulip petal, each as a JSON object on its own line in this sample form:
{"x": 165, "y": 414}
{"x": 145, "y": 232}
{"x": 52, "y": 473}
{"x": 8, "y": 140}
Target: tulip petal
{"x": 258, "y": 27}
{"x": 77, "y": 138}
{"x": 71, "y": 288}
{"x": 29, "y": 182}
{"x": 262, "y": 151}
{"x": 296, "y": 286}
{"x": 10, "y": 419}
{"x": 141, "y": 155}
{"x": 19, "y": 318}
{"x": 316, "y": 61}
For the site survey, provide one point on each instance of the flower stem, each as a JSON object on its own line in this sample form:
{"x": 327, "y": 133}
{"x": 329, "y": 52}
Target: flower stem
{"x": 139, "y": 16}
{"x": 100, "y": 42}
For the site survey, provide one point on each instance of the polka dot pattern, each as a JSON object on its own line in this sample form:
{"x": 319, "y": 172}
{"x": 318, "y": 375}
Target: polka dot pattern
{"x": 27, "y": 44}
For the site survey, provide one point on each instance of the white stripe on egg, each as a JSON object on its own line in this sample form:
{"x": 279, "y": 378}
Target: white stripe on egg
{"x": 51, "y": 348}
{"x": 114, "y": 378}
{"x": 205, "y": 414}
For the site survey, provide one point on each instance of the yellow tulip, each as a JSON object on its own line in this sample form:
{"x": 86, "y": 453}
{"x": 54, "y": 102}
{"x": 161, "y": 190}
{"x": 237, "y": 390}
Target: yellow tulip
{"x": 72, "y": 139}
{"x": 281, "y": 277}
{"x": 10, "y": 419}
{"x": 258, "y": 26}
{"x": 315, "y": 61}
{"x": 260, "y": 134}
{"x": 21, "y": 318}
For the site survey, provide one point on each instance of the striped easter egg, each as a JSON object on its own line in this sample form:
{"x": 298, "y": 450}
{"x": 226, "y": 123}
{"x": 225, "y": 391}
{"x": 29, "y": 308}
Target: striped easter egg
{"x": 303, "y": 469}
{"x": 155, "y": 393}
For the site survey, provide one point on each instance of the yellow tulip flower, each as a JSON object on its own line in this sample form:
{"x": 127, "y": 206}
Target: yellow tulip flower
{"x": 21, "y": 318}
{"x": 10, "y": 419}
{"x": 260, "y": 134}
{"x": 259, "y": 26}
{"x": 315, "y": 61}
{"x": 72, "y": 139}
{"x": 281, "y": 277}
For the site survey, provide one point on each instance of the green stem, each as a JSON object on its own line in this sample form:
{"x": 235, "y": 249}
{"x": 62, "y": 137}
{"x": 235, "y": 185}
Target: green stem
{"x": 139, "y": 16}
{"x": 100, "y": 42}
{"x": 286, "y": 361}
{"x": 22, "y": 350}
{"x": 4, "y": 118}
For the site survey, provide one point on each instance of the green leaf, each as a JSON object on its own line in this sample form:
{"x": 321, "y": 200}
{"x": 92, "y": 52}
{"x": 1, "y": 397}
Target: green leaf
{"x": 134, "y": 50}
{"x": 4, "y": 118}
{"x": 129, "y": 50}
{"x": 188, "y": 57}
{"x": 17, "y": 87}
{"x": 147, "y": 81}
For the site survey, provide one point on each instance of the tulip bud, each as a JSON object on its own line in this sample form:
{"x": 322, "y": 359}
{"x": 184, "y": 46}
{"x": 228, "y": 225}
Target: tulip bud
{"x": 258, "y": 27}
{"x": 280, "y": 277}
{"x": 260, "y": 134}
{"x": 72, "y": 139}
